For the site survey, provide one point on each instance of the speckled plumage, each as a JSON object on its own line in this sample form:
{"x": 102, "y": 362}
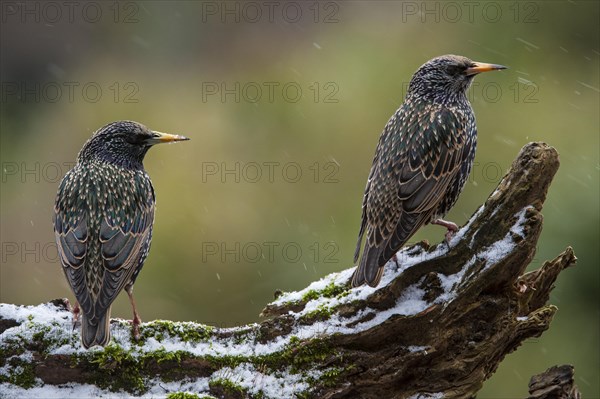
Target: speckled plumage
{"x": 103, "y": 218}
{"x": 421, "y": 163}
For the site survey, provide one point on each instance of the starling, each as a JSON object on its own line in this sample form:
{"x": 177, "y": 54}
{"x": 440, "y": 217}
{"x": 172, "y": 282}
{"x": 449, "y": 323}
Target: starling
{"x": 421, "y": 163}
{"x": 103, "y": 218}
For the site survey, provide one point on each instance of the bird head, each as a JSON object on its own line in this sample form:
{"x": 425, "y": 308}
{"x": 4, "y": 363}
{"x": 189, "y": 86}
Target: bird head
{"x": 446, "y": 77}
{"x": 124, "y": 143}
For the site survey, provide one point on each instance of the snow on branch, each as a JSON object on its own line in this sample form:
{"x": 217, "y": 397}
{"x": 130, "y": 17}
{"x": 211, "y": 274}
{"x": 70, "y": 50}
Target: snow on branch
{"x": 437, "y": 326}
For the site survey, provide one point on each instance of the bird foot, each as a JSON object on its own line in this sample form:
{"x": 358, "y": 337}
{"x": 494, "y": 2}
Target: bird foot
{"x": 452, "y": 229}
{"x": 135, "y": 329}
{"x": 76, "y": 311}
{"x": 395, "y": 259}
{"x": 448, "y": 236}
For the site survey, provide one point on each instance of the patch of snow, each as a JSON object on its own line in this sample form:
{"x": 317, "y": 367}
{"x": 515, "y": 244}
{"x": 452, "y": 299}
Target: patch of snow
{"x": 411, "y": 302}
{"x": 319, "y": 285}
{"x": 158, "y": 390}
{"x": 449, "y": 283}
{"x": 47, "y": 391}
{"x": 414, "y": 348}
{"x": 44, "y": 313}
{"x": 460, "y": 233}
{"x": 518, "y": 227}
{"x": 437, "y": 395}
{"x": 286, "y": 385}
{"x": 498, "y": 250}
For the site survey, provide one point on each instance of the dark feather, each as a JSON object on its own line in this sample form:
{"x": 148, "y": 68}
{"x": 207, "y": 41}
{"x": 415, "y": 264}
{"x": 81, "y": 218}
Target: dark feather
{"x": 103, "y": 218}
{"x": 100, "y": 260}
{"x": 421, "y": 164}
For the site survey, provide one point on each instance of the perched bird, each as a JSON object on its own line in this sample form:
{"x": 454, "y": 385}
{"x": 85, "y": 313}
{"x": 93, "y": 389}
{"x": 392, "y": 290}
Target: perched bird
{"x": 103, "y": 218}
{"x": 421, "y": 163}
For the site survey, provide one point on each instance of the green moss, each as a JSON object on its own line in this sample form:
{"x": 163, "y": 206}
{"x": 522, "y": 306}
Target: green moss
{"x": 244, "y": 335}
{"x": 21, "y": 373}
{"x": 116, "y": 369}
{"x": 161, "y": 355}
{"x": 43, "y": 340}
{"x": 172, "y": 371}
{"x": 186, "y": 395}
{"x": 297, "y": 355}
{"x": 40, "y": 335}
{"x": 227, "y": 387}
{"x": 186, "y": 332}
{"x": 11, "y": 347}
{"x": 305, "y": 354}
{"x": 320, "y": 314}
{"x": 331, "y": 377}
{"x": 310, "y": 295}
{"x": 330, "y": 291}
{"x": 226, "y": 360}
{"x": 337, "y": 291}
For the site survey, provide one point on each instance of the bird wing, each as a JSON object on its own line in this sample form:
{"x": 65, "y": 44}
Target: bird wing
{"x": 419, "y": 154}
{"x": 112, "y": 252}
{"x": 72, "y": 235}
{"x": 124, "y": 245}
{"x": 363, "y": 218}
{"x": 423, "y": 180}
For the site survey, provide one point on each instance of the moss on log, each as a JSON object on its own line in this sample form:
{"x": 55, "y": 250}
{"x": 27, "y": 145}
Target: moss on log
{"x": 438, "y": 325}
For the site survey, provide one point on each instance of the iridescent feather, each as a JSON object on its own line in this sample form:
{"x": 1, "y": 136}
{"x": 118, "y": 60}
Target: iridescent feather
{"x": 421, "y": 163}
{"x": 103, "y": 217}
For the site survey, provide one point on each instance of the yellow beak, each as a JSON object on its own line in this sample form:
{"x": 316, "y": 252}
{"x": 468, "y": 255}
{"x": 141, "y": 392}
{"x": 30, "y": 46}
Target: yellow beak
{"x": 479, "y": 67}
{"x": 158, "y": 138}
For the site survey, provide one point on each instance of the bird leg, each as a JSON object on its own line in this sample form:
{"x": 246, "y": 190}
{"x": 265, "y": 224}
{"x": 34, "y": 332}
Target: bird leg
{"x": 76, "y": 311}
{"x": 136, "y": 317}
{"x": 452, "y": 228}
{"x": 395, "y": 259}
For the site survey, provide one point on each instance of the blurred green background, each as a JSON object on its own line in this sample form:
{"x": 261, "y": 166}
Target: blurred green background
{"x": 284, "y": 104}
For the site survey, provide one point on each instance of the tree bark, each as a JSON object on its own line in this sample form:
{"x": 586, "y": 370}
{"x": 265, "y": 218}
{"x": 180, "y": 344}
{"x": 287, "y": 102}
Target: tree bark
{"x": 438, "y": 325}
{"x": 555, "y": 383}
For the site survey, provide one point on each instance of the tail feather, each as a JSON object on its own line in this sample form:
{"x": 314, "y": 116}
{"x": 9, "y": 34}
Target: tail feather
{"x": 95, "y": 331}
{"x": 368, "y": 270}
{"x": 373, "y": 259}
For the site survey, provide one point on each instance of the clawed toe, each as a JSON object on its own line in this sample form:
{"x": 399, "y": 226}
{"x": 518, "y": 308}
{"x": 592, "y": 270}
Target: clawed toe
{"x": 452, "y": 229}
{"x": 448, "y": 236}
{"x": 76, "y": 311}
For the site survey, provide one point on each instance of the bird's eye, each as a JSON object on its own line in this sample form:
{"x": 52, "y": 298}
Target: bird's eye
{"x": 135, "y": 138}
{"x": 454, "y": 70}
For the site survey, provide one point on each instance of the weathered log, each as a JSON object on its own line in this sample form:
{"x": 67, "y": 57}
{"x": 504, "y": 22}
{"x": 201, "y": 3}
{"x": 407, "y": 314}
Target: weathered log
{"x": 438, "y": 325}
{"x": 555, "y": 383}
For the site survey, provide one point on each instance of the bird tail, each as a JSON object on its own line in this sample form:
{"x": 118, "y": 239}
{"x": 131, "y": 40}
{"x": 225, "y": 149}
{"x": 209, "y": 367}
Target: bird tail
{"x": 95, "y": 331}
{"x": 368, "y": 270}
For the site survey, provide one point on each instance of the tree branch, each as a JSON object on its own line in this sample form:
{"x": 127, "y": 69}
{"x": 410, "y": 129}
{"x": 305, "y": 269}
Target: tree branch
{"x": 437, "y": 326}
{"x": 554, "y": 383}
